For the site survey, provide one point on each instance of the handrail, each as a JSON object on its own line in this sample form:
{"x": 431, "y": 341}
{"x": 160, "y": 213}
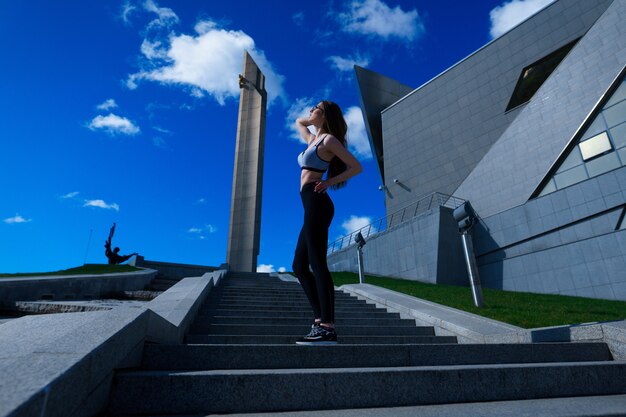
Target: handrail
{"x": 420, "y": 206}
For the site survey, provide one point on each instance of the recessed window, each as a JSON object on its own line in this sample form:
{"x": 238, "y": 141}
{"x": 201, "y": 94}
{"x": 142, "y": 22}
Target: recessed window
{"x": 595, "y": 146}
{"x": 600, "y": 148}
{"x": 534, "y": 75}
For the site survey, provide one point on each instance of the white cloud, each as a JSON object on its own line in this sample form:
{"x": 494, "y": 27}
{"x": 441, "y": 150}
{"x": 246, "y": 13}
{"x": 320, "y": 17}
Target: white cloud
{"x": 101, "y": 204}
{"x": 357, "y": 136}
{"x": 205, "y": 63}
{"x": 298, "y": 18}
{"x": 70, "y": 195}
{"x": 355, "y": 223}
{"x": 107, "y": 105}
{"x": 201, "y": 232}
{"x": 16, "y": 219}
{"x": 510, "y": 14}
{"x": 113, "y": 124}
{"x": 269, "y": 268}
{"x": 153, "y": 50}
{"x": 299, "y": 108}
{"x": 347, "y": 64}
{"x": 127, "y": 9}
{"x": 160, "y": 129}
{"x": 159, "y": 142}
{"x": 375, "y": 18}
{"x": 165, "y": 16}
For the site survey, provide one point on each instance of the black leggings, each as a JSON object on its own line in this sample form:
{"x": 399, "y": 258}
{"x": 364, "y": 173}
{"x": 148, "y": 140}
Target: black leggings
{"x": 311, "y": 250}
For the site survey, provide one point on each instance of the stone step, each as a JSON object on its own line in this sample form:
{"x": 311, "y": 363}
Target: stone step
{"x": 282, "y": 300}
{"x": 306, "y": 321}
{"x": 242, "y": 329}
{"x": 596, "y": 406}
{"x": 262, "y": 283}
{"x": 239, "y": 391}
{"x": 254, "y": 291}
{"x": 285, "y": 303}
{"x": 207, "y": 357}
{"x": 255, "y": 339}
{"x": 293, "y": 314}
{"x": 299, "y": 307}
{"x": 295, "y": 296}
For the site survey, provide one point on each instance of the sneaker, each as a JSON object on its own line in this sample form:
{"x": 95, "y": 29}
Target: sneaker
{"x": 319, "y": 336}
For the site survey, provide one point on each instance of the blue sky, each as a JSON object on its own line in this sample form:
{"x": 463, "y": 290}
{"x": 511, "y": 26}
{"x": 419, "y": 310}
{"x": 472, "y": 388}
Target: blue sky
{"x": 126, "y": 111}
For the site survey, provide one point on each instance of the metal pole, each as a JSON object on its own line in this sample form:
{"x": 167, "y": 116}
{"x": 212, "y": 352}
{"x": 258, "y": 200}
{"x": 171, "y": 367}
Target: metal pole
{"x": 472, "y": 269}
{"x": 359, "y": 251}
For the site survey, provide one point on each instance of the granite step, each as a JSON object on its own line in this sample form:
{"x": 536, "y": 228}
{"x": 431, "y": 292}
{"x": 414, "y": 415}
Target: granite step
{"x": 306, "y": 321}
{"x": 207, "y": 357}
{"x": 302, "y": 307}
{"x": 242, "y": 329}
{"x": 271, "y": 390}
{"x": 305, "y": 313}
{"x": 280, "y": 300}
{"x": 255, "y": 339}
{"x": 269, "y": 296}
{"x": 589, "y": 406}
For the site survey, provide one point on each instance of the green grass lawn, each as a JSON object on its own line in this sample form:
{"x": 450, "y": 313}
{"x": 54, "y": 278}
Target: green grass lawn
{"x": 521, "y": 309}
{"x": 88, "y": 269}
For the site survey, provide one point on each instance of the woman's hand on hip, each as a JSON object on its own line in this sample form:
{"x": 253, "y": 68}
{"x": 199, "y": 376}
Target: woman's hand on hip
{"x": 321, "y": 186}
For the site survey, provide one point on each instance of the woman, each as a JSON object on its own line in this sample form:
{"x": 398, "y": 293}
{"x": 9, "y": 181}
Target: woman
{"x": 326, "y": 150}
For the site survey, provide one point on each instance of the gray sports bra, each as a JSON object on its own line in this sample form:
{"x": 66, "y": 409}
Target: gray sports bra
{"x": 310, "y": 160}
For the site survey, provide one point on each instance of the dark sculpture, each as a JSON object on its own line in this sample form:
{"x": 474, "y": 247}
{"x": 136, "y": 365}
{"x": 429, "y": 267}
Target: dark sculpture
{"x": 113, "y": 255}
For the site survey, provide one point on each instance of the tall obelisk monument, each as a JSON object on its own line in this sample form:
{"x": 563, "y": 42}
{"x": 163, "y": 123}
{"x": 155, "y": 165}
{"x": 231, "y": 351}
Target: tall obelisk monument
{"x": 244, "y": 233}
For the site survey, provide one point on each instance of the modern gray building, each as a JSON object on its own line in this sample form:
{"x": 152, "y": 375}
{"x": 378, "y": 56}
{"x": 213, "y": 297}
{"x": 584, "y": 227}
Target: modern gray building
{"x": 531, "y": 129}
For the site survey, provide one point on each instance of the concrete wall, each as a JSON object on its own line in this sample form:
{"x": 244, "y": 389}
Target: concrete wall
{"x": 426, "y": 248}
{"x": 61, "y": 365}
{"x": 437, "y": 135}
{"x": 71, "y": 287}
{"x": 174, "y": 270}
{"x": 566, "y": 242}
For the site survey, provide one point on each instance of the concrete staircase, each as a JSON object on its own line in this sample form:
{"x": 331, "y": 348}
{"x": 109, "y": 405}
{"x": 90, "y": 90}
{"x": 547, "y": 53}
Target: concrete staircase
{"x": 240, "y": 357}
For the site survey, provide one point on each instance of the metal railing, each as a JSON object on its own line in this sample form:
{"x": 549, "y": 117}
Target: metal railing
{"x": 421, "y": 206}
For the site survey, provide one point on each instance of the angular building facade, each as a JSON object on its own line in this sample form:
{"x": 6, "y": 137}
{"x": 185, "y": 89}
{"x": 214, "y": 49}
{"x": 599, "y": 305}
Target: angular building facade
{"x": 531, "y": 129}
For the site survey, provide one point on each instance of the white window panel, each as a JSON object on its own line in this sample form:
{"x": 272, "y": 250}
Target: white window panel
{"x": 595, "y": 146}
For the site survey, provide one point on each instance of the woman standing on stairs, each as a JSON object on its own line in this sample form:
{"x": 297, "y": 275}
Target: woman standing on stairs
{"x": 326, "y": 151}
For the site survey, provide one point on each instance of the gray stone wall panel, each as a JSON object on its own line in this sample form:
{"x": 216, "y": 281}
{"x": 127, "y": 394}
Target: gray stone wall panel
{"x": 434, "y": 137}
{"x": 514, "y": 166}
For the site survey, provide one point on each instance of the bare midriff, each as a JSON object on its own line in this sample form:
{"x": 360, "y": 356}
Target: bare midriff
{"x": 308, "y": 176}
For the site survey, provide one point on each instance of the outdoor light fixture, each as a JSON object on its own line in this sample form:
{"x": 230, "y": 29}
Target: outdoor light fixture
{"x": 360, "y": 242}
{"x": 466, "y": 218}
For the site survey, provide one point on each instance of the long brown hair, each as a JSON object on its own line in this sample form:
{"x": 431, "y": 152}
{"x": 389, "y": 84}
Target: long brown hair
{"x": 335, "y": 124}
